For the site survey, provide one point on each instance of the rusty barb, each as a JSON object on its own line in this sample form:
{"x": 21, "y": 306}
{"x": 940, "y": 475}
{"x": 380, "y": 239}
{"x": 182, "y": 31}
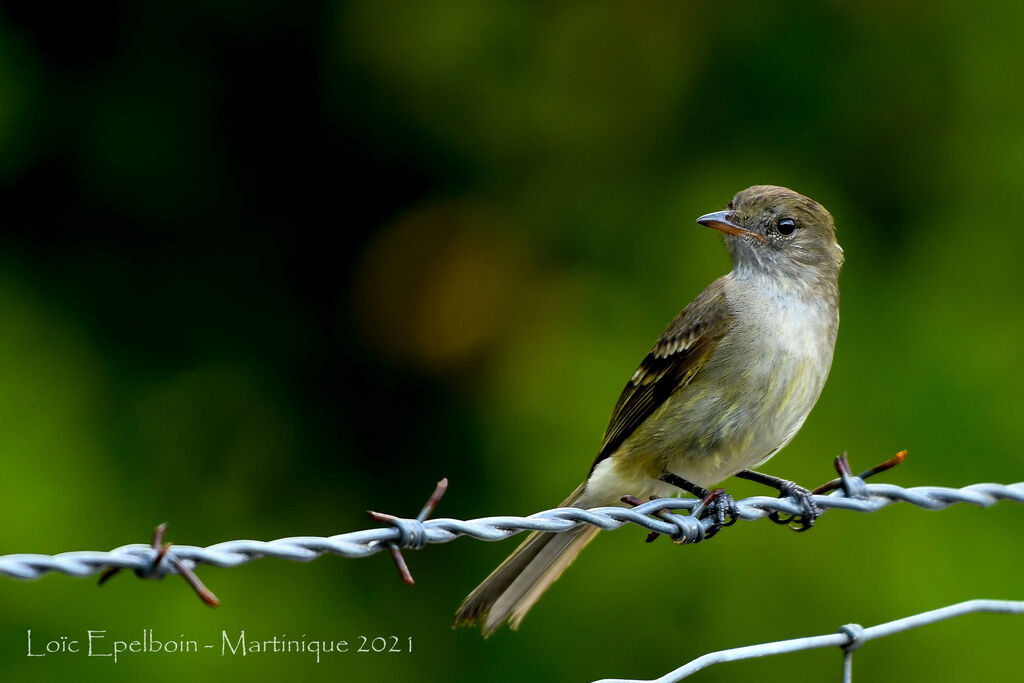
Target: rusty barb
{"x": 154, "y": 570}
{"x": 411, "y": 533}
{"x": 845, "y": 478}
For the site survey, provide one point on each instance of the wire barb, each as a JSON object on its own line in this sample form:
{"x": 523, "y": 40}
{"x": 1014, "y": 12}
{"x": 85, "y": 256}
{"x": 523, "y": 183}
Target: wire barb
{"x": 687, "y": 529}
{"x": 411, "y": 532}
{"x": 843, "y": 465}
{"x": 154, "y": 570}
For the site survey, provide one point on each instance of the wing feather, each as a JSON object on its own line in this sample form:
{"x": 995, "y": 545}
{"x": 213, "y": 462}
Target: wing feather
{"x": 677, "y": 356}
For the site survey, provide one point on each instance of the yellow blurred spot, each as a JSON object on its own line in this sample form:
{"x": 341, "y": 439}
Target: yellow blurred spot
{"x": 433, "y": 287}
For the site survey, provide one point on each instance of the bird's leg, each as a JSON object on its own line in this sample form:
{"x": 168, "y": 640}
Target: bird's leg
{"x": 716, "y": 504}
{"x": 787, "y": 489}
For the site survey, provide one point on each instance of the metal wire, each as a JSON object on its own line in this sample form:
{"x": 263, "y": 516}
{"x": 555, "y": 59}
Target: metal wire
{"x": 157, "y": 560}
{"x": 850, "y": 637}
{"x": 415, "y": 532}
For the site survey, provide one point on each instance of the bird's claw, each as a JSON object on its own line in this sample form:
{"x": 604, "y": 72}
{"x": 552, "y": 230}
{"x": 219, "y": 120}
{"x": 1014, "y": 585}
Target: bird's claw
{"x": 719, "y": 506}
{"x": 809, "y": 510}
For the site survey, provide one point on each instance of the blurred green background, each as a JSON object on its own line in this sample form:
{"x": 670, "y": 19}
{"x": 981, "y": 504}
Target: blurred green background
{"x": 266, "y": 265}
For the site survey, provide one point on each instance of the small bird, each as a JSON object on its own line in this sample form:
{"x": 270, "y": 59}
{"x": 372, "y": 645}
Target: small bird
{"x": 726, "y": 386}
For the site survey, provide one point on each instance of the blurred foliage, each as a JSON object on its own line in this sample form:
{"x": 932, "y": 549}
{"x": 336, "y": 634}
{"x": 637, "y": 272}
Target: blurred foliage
{"x": 266, "y": 265}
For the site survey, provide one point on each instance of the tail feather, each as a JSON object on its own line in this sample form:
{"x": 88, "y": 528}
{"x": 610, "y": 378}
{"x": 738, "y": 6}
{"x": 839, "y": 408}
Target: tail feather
{"x": 516, "y": 585}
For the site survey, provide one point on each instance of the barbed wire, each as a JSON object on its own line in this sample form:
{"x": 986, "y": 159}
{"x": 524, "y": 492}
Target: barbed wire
{"x": 849, "y": 638}
{"x": 659, "y": 516}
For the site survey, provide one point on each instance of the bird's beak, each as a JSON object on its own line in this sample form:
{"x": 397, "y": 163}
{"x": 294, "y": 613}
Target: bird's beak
{"x": 722, "y": 221}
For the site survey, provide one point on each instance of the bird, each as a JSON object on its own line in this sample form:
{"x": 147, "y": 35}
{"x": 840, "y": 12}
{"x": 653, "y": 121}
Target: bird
{"x": 726, "y": 386}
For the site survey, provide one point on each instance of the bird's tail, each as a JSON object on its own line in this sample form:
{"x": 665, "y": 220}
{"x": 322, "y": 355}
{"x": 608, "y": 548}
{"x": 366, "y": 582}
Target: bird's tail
{"x": 513, "y": 588}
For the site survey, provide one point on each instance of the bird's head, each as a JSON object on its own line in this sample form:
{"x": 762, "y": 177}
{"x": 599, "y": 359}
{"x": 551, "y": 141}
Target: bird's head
{"x": 775, "y": 231}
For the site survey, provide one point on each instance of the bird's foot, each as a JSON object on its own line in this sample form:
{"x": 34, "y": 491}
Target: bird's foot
{"x": 809, "y": 510}
{"x": 716, "y": 504}
{"x": 720, "y": 507}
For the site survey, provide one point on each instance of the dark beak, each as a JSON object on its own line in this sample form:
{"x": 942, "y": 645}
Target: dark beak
{"x": 722, "y": 221}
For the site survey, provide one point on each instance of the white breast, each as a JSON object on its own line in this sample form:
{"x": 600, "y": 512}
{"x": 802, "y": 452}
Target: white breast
{"x": 747, "y": 401}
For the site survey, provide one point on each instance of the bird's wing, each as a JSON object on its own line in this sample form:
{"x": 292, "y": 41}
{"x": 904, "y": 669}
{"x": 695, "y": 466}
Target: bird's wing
{"x": 676, "y": 357}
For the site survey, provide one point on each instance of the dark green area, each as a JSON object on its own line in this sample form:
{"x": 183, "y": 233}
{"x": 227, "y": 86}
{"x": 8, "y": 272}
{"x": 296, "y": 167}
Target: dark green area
{"x": 266, "y": 265}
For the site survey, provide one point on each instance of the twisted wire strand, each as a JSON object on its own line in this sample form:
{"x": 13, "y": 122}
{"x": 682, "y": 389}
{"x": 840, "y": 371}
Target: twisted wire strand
{"x": 850, "y": 637}
{"x": 414, "y": 533}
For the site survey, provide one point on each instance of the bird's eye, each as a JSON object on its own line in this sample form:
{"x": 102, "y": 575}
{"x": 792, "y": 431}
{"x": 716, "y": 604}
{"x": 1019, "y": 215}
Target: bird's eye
{"x": 786, "y": 226}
